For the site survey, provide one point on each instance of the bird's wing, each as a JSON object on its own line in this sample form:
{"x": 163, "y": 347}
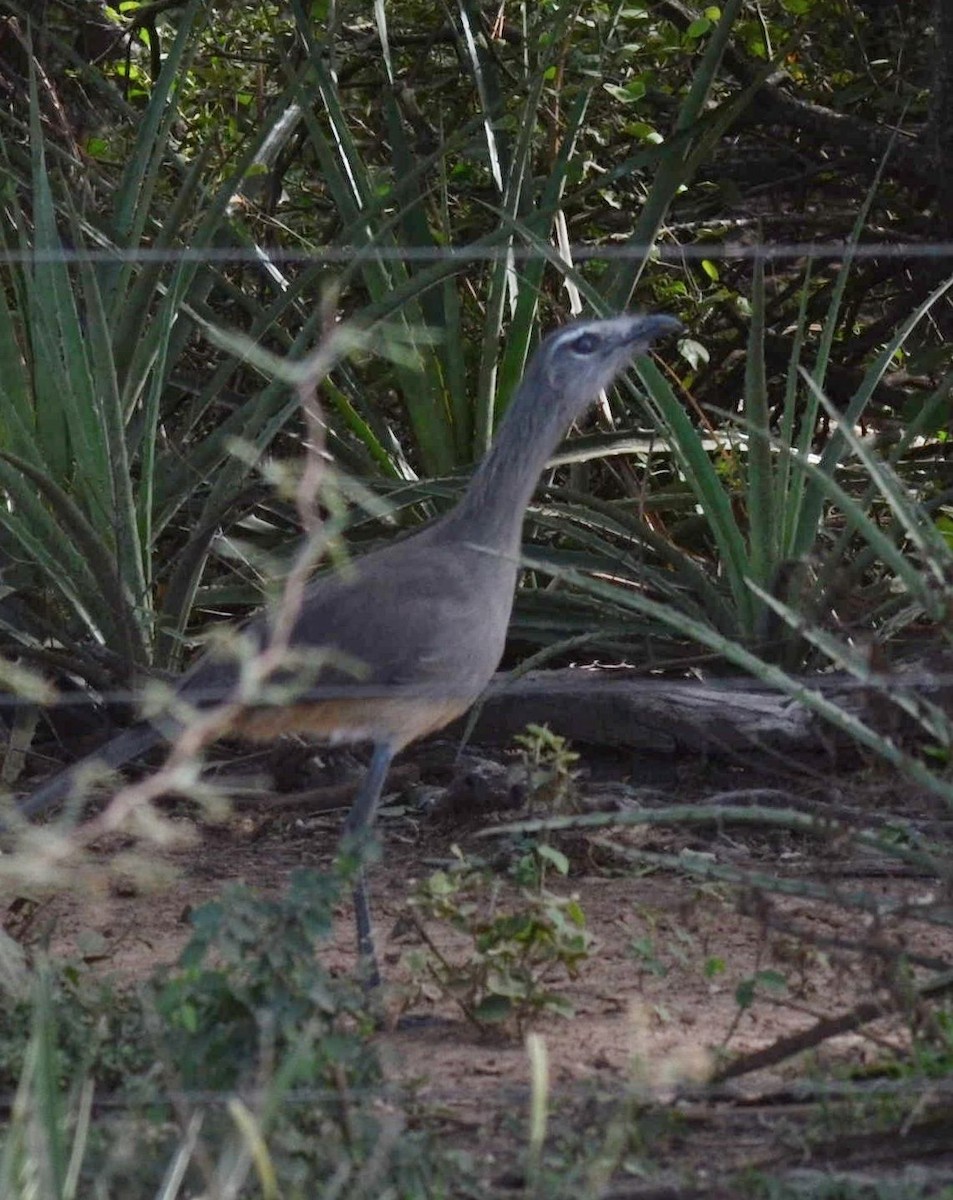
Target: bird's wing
{"x": 414, "y": 619}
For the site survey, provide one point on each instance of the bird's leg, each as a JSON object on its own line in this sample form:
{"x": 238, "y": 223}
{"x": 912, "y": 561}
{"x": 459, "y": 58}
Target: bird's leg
{"x": 354, "y": 836}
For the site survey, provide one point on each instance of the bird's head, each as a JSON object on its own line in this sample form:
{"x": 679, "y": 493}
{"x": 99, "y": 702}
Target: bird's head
{"x": 579, "y": 360}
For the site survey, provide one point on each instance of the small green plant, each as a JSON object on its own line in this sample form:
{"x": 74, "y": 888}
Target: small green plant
{"x": 98, "y": 1027}
{"x": 760, "y": 983}
{"x": 932, "y": 1051}
{"x": 247, "y": 1039}
{"x": 661, "y": 941}
{"x": 549, "y": 766}
{"x": 250, "y": 982}
{"x": 247, "y": 985}
{"x": 646, "y": 956}
{"x": 513, "y": 948}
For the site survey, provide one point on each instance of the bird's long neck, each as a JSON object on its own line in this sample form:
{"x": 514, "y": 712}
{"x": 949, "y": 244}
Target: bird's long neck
{"x": 492, "y": 509}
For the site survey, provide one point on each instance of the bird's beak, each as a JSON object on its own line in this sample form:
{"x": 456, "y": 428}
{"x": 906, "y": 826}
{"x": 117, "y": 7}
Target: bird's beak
{"x": 650, "y": 328}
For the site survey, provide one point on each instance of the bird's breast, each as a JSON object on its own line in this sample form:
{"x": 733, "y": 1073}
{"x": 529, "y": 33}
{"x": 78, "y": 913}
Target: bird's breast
{"x": 396, "y": 720}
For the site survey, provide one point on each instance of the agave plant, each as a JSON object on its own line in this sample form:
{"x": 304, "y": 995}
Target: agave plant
{"x": 117, "y": 443}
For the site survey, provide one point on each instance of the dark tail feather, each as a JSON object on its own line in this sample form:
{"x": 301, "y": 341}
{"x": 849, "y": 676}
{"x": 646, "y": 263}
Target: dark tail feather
{"x": 122, "y": 749}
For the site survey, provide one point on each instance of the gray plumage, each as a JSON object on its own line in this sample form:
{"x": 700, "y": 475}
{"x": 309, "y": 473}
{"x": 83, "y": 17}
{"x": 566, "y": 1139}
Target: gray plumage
{"x": 426, "y": 617}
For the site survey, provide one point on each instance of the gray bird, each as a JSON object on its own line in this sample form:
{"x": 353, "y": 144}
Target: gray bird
{"x": 426, "y": 618}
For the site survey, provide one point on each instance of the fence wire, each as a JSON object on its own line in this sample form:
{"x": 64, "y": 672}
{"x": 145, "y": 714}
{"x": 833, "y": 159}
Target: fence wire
{"x": 831, "y": 250}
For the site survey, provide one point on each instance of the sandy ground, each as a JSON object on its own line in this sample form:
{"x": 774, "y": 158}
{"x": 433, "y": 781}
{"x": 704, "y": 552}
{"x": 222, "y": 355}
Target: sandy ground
{"x": 647, "y": 1005}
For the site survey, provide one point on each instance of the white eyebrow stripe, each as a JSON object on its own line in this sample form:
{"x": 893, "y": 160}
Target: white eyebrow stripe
{"x": 570, "y": 334}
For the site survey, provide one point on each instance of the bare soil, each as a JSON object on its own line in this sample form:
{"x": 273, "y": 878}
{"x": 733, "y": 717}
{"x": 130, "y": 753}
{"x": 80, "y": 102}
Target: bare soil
{"x": 655, "y": 1005}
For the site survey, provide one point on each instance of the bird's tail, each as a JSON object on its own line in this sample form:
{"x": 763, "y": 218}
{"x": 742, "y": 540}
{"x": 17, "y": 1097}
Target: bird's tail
{"x": 135, "y": 740}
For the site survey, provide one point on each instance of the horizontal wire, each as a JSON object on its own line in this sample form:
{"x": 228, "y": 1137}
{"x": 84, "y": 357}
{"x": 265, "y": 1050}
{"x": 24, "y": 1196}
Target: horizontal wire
{"x": 259, "y": 255}
{"x": 915, "y": 1086}
{"x": 835, "y": 249}
{"x": 881, "y": 682}
{"x": 204, "y": 698}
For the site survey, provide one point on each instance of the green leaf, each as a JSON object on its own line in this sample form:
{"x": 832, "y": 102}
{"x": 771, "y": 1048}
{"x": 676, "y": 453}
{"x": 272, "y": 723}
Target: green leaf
{"x": 554, "y": 856}
{"x": 744, "y": 993}
{"x": 772, "y": 981}
{"x": 493, "y": 1009}
{"x": 629, "y": 93}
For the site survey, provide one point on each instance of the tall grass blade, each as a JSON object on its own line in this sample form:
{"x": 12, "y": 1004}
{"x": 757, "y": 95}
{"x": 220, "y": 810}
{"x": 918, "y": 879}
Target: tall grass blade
{"x": 760, "y": 492}
{"x": 676, "y": 162}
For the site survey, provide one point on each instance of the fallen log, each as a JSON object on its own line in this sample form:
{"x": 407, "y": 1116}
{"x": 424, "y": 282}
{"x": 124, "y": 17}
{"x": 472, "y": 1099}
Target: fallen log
{"x": 718, "y": 716}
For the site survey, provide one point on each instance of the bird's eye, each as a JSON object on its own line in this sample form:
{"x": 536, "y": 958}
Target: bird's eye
{"x": 586, "y": 343}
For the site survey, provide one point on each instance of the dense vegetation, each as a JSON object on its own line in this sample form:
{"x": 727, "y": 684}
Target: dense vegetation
{"x": 286, "y": 146}
{"x": 184, "y": 181}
